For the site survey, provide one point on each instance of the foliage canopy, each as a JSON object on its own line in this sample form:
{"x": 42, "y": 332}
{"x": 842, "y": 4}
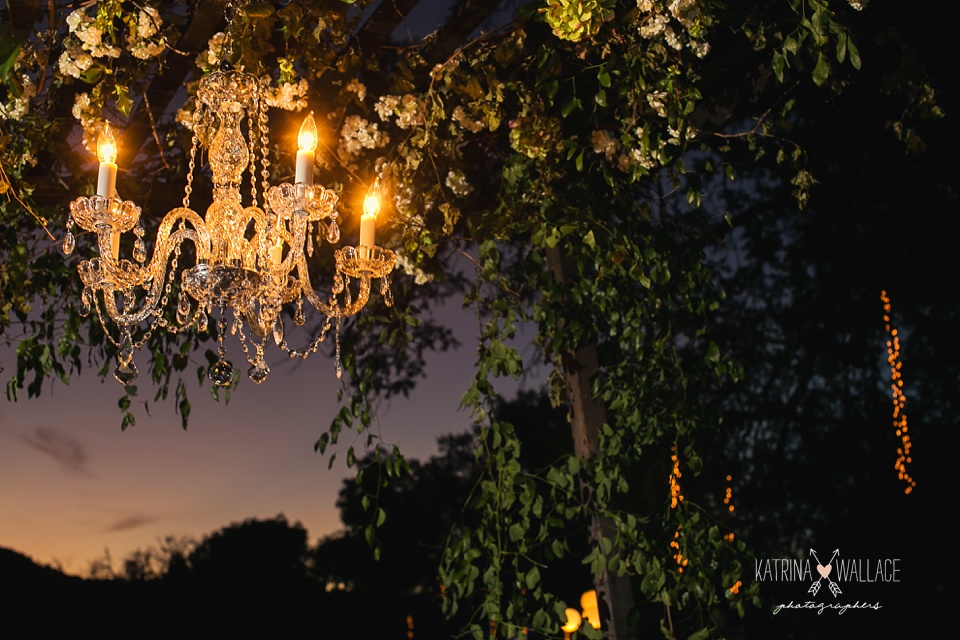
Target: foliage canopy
{"x": 566, "y": 154}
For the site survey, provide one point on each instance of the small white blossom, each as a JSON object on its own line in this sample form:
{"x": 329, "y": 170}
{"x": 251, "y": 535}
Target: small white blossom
{"x": 357, "y": 87}
{"x": 386, "y": 106}
{"x": 409, "y": 112}
{"x": 406, "y": 265}
{"x": 148, "y": 21}
{"x": 604, "y": 143}
{"x": 81, "y": 102}
{"x": 656, "y": 100}
{"x": 460, "y": 117}
{"x": 457, "y": 182}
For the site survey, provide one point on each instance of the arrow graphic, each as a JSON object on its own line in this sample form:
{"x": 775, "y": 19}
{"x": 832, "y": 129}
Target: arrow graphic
{"x": 824, "y": 571}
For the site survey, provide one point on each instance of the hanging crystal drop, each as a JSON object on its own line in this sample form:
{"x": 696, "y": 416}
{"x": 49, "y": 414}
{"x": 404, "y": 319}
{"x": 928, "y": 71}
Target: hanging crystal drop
{"x": 333, "y": 232}
{"x": 86, "y": 299}
{"x": 69, "y": 243}
{"x": 278, "y": 330}
{"x": 385, "y": 291}
{"x": 183, "y": 308}
{"x": 258, "y": 372}
{"x": 347, "y": 298}
{"x": 139, "y": 250}
{"x": 125, "y": 355}
{"x": 126, "y": 372}
{"x": 201, "y": 321}
{"x": 298, "y": 317}
{"x": 221, "y": 373}
{"x": 235, "y": 325}
{"x": 310, "y": 245}
{"x": 337, "y": 283}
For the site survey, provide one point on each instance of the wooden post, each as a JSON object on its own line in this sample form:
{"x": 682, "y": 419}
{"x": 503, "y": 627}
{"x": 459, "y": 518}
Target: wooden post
{"x": 587, "y": 415}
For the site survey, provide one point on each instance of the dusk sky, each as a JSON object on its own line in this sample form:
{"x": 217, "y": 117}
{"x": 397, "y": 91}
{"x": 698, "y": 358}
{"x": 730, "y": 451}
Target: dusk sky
{"x": 72, "y": 484}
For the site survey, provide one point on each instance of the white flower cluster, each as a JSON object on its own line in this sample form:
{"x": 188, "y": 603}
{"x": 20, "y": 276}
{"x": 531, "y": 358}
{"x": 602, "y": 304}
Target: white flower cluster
{"x": 406, "y": 109}
{"x": 19, "y": 107}
{"x": 89, "y": 118}
{"x": 86, "y": 42}
{"x": 358, "y": 134}
{"x": 656, "y": 19}
{"x": 290, "y": 96}
{"x": 457, "y": 182}
{"x": 859, "y": 5}
{"x": 408, "y": 268}
{"x": 209, "y": 60}
{"x": 141, "y": 41}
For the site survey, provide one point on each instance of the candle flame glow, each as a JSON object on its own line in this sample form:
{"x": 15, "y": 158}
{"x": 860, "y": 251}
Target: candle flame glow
{"x": 107, "y": 145}
{"x": 307, "y": 140}
{"x": 371, "y": 202}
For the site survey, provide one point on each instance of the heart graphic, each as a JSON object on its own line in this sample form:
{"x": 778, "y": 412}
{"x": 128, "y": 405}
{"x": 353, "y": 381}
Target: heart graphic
{"x": 824, "y": 571}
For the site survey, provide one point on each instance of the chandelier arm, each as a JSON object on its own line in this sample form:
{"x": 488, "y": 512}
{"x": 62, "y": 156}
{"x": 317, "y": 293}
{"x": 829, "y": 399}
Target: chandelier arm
{"x": 166, "y": 245}
{"x": 303, "y": 278}
{"x": 166, "y": 241}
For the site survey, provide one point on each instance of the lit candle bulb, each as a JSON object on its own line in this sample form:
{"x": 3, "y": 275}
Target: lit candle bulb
{"x": 368, "y": 221}
{"x": 307, "y": 141}
{"x": 107, "y": 153}
{"x": 107, "y": 178}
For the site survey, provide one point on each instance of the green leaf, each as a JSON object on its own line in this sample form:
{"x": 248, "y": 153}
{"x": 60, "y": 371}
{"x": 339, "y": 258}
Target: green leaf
{"x": 601, "y": 98}
{"x": 822, "y": 71}
{"x": 603, "y": 78}
{"x": 713, "y": 352}
{"x": 791, "y": 45}
{"x": 854, "y": 54}
{"x": 532, "y": 579}
{"x": 702, "y": 634}
{"x": 778, "y": 65}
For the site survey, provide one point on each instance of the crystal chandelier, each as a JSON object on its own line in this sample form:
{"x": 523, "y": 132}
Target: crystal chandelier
{"x": 250, "y": 261}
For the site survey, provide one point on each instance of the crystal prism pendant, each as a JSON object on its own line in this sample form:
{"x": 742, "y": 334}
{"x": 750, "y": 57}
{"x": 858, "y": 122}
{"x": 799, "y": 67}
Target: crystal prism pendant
{"x": 139, "y": 250}
{"x": 183, "y": 309}
{"x": 278, "y": 330}
{"x": 221, "y": 373}
{"x": 333, "y": 232}
{"x": 385, "y": 291}
{"x": 125, "y": 355}
{"x": 86, "y": 300}
{"x": 298, "y": 317}
{"x": 69, "y": 243}
{"x": 126, "y": 372}
{"x": 258, "y": 372}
